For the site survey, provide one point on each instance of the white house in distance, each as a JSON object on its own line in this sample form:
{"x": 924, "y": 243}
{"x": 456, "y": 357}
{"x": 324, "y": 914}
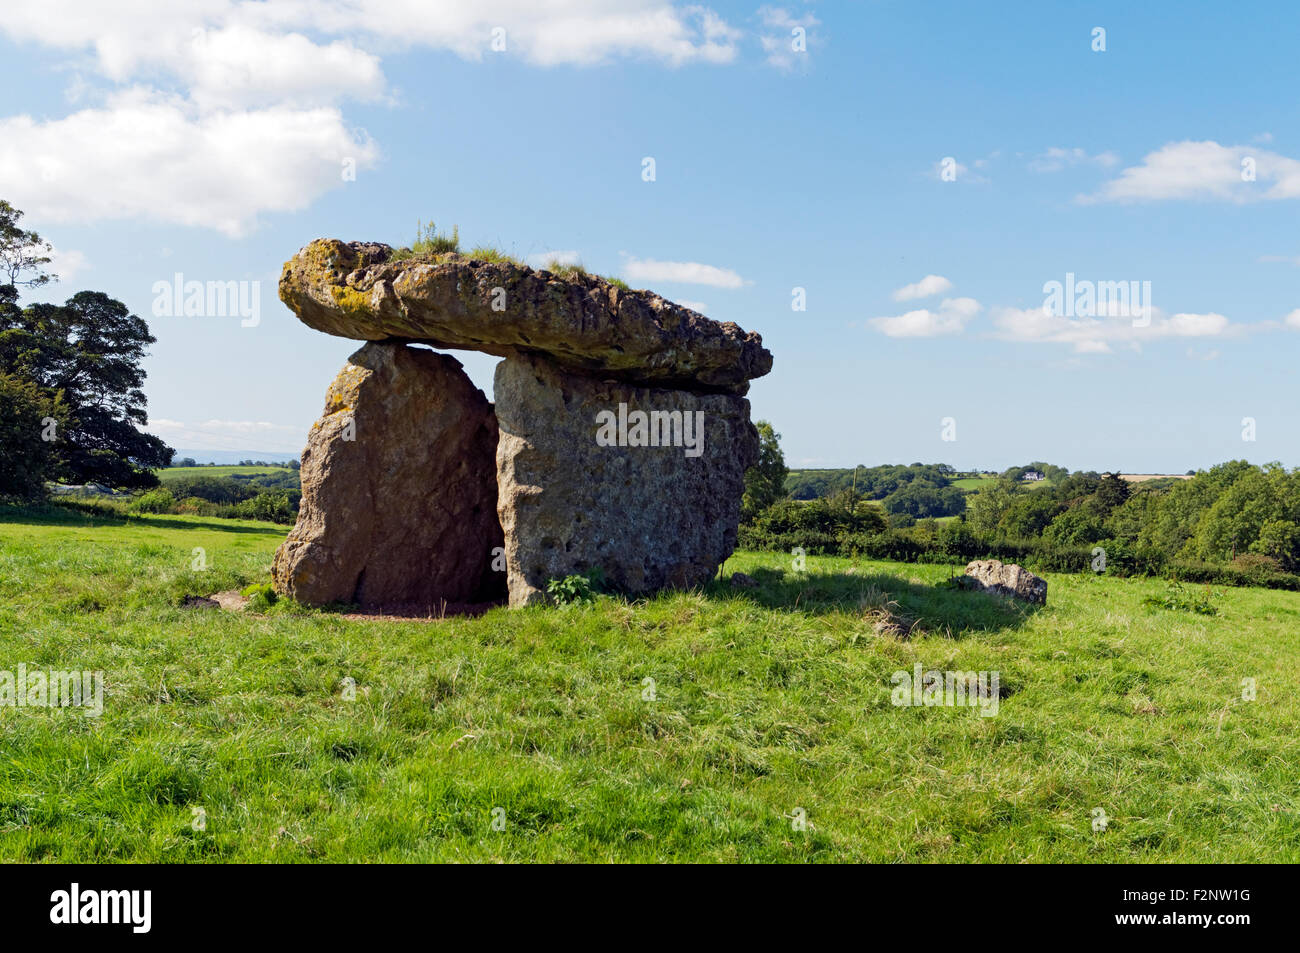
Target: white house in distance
{"x": 1031, "y": 476}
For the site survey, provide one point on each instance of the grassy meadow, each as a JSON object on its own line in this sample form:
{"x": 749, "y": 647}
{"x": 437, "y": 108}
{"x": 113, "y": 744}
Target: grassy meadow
{"x": 222, "y": 470}
{"x": 767, "y": 707}
{"x": 974, "y": 483}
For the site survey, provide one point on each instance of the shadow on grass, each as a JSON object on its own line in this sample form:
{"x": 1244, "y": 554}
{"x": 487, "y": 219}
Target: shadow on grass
{"x": 937, "y": 609}
{"x": 220, "y": 525}
{"x": 55, "y": 515}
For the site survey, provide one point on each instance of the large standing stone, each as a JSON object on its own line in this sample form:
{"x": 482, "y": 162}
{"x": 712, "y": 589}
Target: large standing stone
{"x": 398, "y": 488}
{"x": 647, "y": 516}
{"x": 582, "y": 322}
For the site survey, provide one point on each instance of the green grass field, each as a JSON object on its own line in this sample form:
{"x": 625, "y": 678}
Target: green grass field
{"x": 978, "y": 483}
{"x": 974, "y": 483}
{"x": 173, "y": 473}
{"x": 769, "y": 705}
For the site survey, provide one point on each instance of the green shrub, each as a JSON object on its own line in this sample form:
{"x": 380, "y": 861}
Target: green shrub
{"x": 576, "y": 589}
{"x": 1220, "y": 574}
{"x": 1256, "y": 563}
{"x": 157, "y": 500}
{"x": 1180, "y": 598}
{"x": 275, "y": 506}
{"x": 214, "y": 489}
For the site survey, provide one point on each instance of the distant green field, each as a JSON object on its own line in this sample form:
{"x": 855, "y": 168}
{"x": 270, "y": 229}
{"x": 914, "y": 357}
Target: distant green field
{"x": 172, "y": 473}
{"x": 978, "y": 483}
{"x": 720, "y": 724}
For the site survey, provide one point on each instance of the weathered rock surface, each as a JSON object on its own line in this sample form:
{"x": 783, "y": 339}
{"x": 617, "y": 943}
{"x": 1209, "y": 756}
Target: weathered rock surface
{"x": 399, "y": 488}
{"x": 990, "y": 575}
{"x": 582, "y": 323}
{"x": 649, "y": 517}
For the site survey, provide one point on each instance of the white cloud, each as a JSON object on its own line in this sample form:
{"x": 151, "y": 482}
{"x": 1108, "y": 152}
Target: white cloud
{"x": 128, "y": 37}
{"x": 648, "y": 270}
{"x": 239, "y": 66}
{"x": 229, "y": 434}
{"x": 209, "y": 112}
{"x": 149, "y": 157}
{"x": 778, "y": 37}
{"x": 1288, "y": 259}
{"x": 951, "y": 317}
{"x": 1055, "y": 159}
{"x": 1097, "y": 335}
{"x": 699, "y": 306}
{"x": 927, "y": 287}
{"x": 67, "y": 264}
{"x": 544, "y": 258}
{"x": 1292, "y": 320}
{"x": 1204, "y": 170}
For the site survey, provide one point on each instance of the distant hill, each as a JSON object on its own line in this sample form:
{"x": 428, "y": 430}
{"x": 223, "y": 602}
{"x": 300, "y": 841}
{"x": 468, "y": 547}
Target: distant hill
{"x": 228, "y": 457}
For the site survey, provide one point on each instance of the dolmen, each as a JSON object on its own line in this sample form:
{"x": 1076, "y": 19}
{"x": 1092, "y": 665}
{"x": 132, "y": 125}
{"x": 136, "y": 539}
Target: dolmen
{"x": 617, "y": 441}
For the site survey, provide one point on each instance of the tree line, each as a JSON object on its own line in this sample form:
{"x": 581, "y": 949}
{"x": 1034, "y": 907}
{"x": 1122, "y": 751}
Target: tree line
{"x": 914, "y": 491}
{"x": 71, "y": 398}
{"x": 1233, "y": 523}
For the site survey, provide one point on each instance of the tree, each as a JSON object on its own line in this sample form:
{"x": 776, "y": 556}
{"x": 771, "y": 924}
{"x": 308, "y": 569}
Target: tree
{"x": 765, "y": 480}
{"x": 28, "y": 421}
{"x": 21, "y": 251}
{"x": 88, "y": 350}
{"x": 1029, "y": 515}
{"x": 923, "y": 500}
{"x": 985, "y": 508}
{"x": 1180, "y": 509}
{"x": 1233, "y": 522}
{"x": 1281, "y": 540}
{"x": 1112, "y": 492}
{"x": 1077, "y": 526}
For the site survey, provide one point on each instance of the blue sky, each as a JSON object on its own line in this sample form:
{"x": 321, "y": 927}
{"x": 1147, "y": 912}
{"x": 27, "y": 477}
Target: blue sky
{"x": 208, "y": 139}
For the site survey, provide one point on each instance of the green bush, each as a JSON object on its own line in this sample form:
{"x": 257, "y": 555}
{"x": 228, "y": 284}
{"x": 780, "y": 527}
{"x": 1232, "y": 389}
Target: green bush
{"x": 210, "y": 488}
{"x": 819, "y": 516}
{"x": 576, "y": 589}
{"x": 1178, "y": 597}
{"x": 1220, "y": 574}
{"x": 157, "y": 500}
{"x": 790, "y": 525}
{"x": 276, "y": 506}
